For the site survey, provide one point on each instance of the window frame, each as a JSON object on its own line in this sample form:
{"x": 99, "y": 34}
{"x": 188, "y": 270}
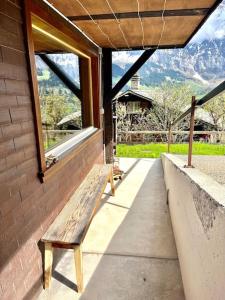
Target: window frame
{"x": 89, "y": 65}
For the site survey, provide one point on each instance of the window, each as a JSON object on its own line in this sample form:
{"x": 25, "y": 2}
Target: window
{"x": 64, "y": 67}
{"x": 133, "y": 107}
{"x": 61, "y": 109}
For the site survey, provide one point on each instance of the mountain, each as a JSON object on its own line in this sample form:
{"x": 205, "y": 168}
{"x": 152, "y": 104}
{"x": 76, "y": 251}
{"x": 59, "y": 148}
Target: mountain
{"x": 201, "y": 64}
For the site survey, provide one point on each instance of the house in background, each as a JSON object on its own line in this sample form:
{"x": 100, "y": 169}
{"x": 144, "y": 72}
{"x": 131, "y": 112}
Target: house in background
{"x": 135, "y": 101}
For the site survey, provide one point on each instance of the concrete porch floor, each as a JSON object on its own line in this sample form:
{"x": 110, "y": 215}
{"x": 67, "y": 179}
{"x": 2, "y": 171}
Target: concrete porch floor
{"x": 129, "y": 251}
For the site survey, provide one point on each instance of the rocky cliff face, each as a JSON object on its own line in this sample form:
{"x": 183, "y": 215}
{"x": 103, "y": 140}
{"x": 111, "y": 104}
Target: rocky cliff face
{"x": 201, "y": 63}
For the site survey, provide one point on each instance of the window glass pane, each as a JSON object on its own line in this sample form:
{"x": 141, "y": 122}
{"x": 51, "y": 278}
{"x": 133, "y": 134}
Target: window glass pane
{"x": 68, "y": 62}
{"x": 61, "y": 110}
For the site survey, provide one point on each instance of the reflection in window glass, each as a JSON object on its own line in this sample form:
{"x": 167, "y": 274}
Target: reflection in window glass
{"x": 61, "y": 111}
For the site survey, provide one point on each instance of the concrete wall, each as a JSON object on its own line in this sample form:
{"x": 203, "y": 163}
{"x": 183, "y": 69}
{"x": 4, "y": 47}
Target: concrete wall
{"x": 197, "y": 210}
{"x": 27, "y": 207}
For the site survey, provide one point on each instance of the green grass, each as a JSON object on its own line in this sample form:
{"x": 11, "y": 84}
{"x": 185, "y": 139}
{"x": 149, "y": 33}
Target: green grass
{"x": 154, "y": 150}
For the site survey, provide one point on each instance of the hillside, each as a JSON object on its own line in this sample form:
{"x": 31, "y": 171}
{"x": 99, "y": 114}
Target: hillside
{"x": 200, "y": 64}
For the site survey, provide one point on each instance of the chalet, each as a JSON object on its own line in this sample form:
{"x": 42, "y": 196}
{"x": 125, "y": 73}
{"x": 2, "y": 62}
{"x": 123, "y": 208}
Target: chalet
{"x": 49, "y": 193}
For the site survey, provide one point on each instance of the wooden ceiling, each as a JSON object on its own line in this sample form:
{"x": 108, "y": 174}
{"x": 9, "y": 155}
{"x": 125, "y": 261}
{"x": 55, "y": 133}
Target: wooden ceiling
{"x": 181, "y": 19}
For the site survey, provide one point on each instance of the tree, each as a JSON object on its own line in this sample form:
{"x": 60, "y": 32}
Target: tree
{"x": 216, "y": 110}
{"x": 54, "y": 108}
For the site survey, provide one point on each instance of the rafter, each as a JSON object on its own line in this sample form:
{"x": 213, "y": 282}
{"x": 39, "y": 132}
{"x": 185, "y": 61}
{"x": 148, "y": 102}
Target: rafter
{"x": 144, "y": 14}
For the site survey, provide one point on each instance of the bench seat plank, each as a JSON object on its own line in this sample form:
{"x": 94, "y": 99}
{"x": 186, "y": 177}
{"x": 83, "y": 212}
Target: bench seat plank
{"x": 72, "y": 223}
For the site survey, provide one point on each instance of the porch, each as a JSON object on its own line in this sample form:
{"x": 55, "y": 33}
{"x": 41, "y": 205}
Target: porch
{"x": 129, "y": 251}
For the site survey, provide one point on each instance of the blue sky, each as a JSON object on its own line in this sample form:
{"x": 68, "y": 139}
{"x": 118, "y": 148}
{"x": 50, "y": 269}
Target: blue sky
{"x": 214, "y": 27}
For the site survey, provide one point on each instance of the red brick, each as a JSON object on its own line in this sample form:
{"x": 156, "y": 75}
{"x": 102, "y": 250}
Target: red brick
{"x": 8, "y": 175}
{"x": 23, "y": 100}
{"x": 16, "y": 183}
{"x": 6, "y": 148}
{"x": 8, "y": 204}
{"x": 9, "y": 71}
{"x": 8, "y": 24}
{"x": 30, "y": 189}
{"x": 15, "y": 158}
{"x": 27, "y": 126}
{"x": 2, "y": 164}
{"x": 35, "y": 196}
{"x": 6, "y": 221}
{"x": 14, "y": 57}
{"x": 29, "y": 152}
{"x": 24, "y": 140}
{"x": 21, "y": 113}
{"x": 4, "y": 116}
{"x": 1, "y": 60}
{"x": 2, "y": 86}
{"x": 12, "y": 130}
{"x": 6, "y": 100}
{"x": 17, "y": 87}
{"x": 11, "y": 9}
{"x": 11, "y": 40}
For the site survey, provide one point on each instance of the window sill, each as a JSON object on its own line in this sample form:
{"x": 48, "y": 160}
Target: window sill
{"x": 67, "y": 150}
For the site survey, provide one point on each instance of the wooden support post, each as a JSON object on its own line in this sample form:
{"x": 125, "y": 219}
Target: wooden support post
{"x": 169, "y": 138}
{"x": 192, "y": 124}
{"x": 79, "y": 267}
{"x": 107, "y": 104}
{"x": 112, "y": 183}
{"x": 48, "y": 264}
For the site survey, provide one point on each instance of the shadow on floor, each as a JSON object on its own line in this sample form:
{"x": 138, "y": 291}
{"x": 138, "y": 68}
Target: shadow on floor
{"x": 129, "y": 251}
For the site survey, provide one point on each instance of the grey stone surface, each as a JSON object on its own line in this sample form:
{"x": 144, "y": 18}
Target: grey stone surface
{"x": 211, "y": 165}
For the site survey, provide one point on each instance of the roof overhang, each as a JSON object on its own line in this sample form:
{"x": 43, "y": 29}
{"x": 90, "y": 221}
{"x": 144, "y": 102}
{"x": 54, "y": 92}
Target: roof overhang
{"x": 138, "y": 24}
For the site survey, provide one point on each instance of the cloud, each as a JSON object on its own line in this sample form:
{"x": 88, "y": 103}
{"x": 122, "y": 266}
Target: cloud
{"x": 122, "y": 58}
{"x": 214, "y": 27}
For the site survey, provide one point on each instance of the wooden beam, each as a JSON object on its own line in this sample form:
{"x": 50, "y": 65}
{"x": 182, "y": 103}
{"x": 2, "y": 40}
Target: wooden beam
{"x": 210, "y": 11}
{"x": 108, "y": 113}
{"x": 86, "y": 91}
{"x": 191, "y": 134}
{"x": 144, "y": 14}
{"x": 50, "y": 15}
{"x": 95, "y": 69}
{"x": 32, "y": 73}
{"x": 219, "y": 89}
{"x": 62, "y": 75}
{"x": 140, "y": 47}
{"x": 127, "y": 76}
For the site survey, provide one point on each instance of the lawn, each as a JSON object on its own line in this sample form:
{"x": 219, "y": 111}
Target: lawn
{"x": 154, "y": 150}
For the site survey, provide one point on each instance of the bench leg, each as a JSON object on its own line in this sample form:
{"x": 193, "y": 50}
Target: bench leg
{"x": 79, "y": 267}
{"x": 48, "y": 264}
{"x": 112, "y": 183}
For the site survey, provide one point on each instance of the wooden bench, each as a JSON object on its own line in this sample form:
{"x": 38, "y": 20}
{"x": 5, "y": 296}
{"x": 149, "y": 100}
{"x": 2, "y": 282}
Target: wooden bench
{"x": 70, "y": 227}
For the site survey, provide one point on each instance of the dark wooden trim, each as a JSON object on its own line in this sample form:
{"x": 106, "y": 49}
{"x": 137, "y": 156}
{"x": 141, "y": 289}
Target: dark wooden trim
{"x": 133, "y": 69}
{"x": 30, "y": 7}
{"x": 34, "y": 85}
{"x": 107, "y": 103}
{"x": 144, "y": 14}
{"x": 52, "y": 17}
{"x": 216, "y": 91}
{"x": 210, "y": 11}
{"x": 78, "y": 150}
{"x": 62, "y": 75}
{"x": 95, "y": 90}
{"x": 219, "y": 89}
{"x": 151, "y": 47}
{"x": 86, "y": 91}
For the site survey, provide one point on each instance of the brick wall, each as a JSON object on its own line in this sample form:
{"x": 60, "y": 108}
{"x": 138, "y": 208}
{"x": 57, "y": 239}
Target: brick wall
{"x": 26, "y": 206}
